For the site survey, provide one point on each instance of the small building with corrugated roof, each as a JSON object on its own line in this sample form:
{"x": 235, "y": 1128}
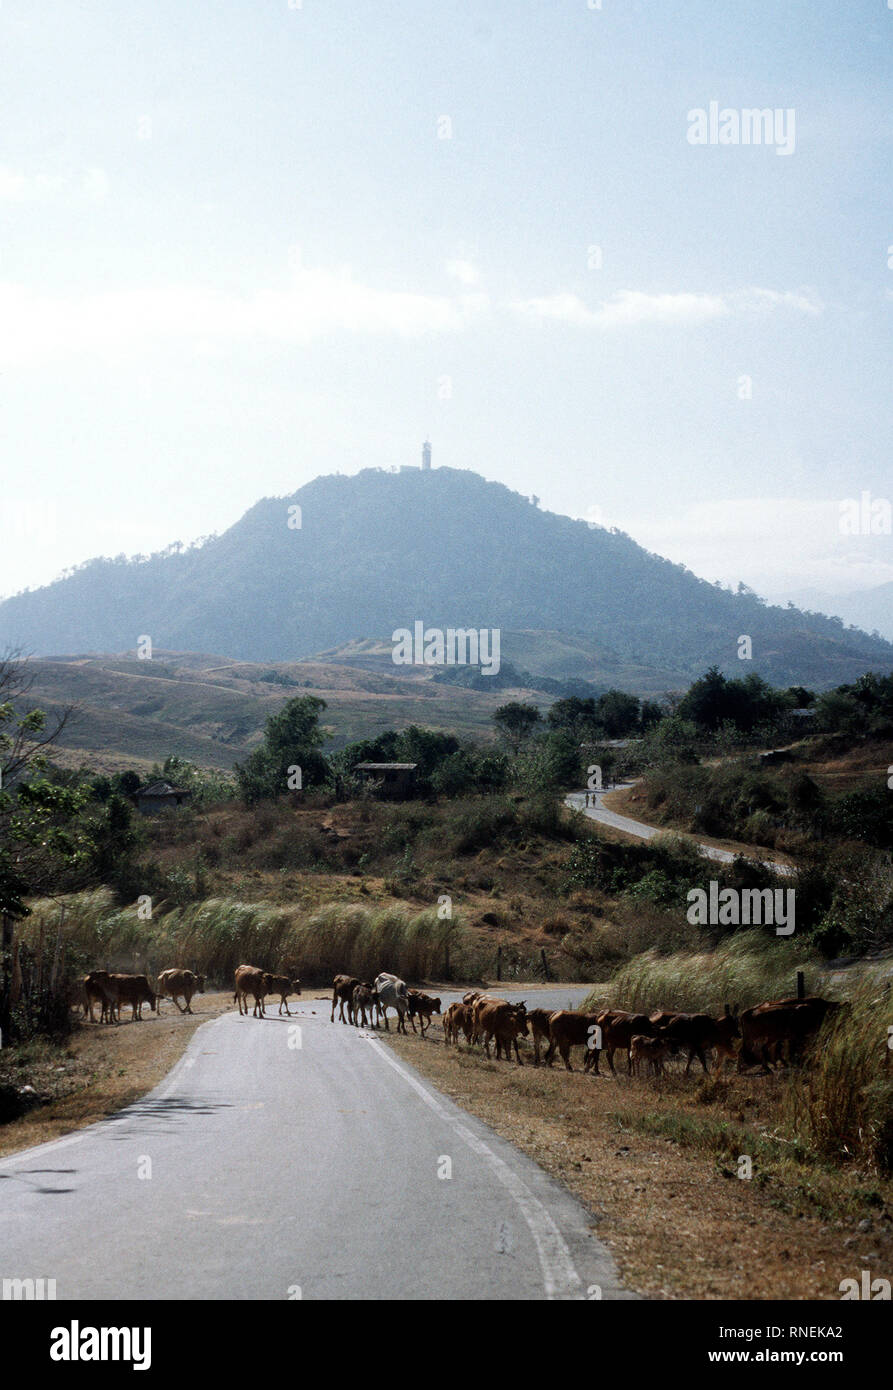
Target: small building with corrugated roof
{"x": 160, "y": 796}
{"x": 392, "y": 780}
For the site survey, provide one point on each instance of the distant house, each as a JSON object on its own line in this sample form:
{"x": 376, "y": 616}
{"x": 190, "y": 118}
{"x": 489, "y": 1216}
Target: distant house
{"x": 160, "y": 796}
{"x": 393, "y": 780}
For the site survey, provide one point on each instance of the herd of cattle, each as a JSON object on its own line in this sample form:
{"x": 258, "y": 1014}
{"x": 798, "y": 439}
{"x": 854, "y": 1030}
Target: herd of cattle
{"x": 764, "y": 1035}
{"x": 110, "y": 991}
{"x": 768, "y": 1033}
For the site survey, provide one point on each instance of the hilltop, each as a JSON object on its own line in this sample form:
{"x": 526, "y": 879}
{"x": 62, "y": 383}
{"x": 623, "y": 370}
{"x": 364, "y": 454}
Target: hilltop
{"x": 379, "y": 550}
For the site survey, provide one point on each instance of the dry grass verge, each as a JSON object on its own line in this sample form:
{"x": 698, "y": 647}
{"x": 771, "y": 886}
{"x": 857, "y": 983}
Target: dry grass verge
{"x": 656, "y": 1164}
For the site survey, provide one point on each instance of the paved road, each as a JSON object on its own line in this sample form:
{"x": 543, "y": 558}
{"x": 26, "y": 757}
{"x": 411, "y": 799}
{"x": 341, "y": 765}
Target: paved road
{"x": 599, "y": 812}
{"x": 274, "y": 1167}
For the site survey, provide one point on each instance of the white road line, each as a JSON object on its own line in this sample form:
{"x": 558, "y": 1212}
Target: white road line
{"x": 28, "y": 1155}
{"x": 560, "y": 1278}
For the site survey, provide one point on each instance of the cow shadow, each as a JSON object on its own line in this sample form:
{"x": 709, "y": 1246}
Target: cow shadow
{"x": 26, "y": 1173}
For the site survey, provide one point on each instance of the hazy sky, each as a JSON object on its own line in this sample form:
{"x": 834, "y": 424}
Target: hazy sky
{"x": 245, "y": 242}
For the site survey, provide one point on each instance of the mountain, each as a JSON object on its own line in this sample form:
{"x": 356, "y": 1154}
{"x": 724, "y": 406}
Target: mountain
{"x": 870, "y": 609}
{"x": 381, "y": 550}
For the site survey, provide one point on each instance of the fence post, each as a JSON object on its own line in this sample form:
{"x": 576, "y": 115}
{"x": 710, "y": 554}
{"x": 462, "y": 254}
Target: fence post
{"x": 545, "y": 966}
{"x": 498, "y": 963}
{"x": 801, "y": 990}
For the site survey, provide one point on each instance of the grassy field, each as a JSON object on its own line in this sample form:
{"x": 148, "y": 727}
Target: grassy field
{"x": 212, "y": 709}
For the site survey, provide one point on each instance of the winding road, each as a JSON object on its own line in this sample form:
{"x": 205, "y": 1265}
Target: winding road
{"x": 264, "y": 1169}
{"x": 598, "y": 811}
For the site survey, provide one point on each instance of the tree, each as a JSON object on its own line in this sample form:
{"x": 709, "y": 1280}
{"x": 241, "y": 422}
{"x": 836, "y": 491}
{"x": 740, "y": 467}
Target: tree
{"x": 292, "y": 740}
{"x": 30, "y": 811}
{"x": 650, "y": 714}
{"x": 23, "y": 736}
{"x": 127, "y": 783}
{"x": 46, "y": 845}
{"x": 617, "y": 713}
{"x": 516, "y": 721}
{"x": 113, "y": 835}
{"x": 576, "y": 714}
{"x": 704, "y": 703}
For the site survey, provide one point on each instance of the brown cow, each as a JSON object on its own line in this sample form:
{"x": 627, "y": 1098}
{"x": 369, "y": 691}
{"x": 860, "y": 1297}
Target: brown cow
{"x": 539, "y": 1020}
{"x": 364, "y": 1000}
{"x": 649, "y": 1050}
{"x": 135, "y": 991}
{"x": 342, "y": 993}
{"x": 470, "y": 995}
{"x": 250, "y": 979}
{"x": 570, "y": 1028}
{"x": 699, "y": 1032}
{"x": 100, "y": 989}
{"x": 479, "y": 1004}
{"x": 457, "y": 1016}
{"x": 475, "y": 1006}
{"x": 616, "y": 1028}
{"x": 422, "y": 1007}
{"x": 451, "y": 1020}
{"x": 661, "y": 1017}
{"x": 506, "y": 1023}
{"x": 174, "y": 983}
{"x": 283, "y": 985}
{"x": 771, "y": 1025}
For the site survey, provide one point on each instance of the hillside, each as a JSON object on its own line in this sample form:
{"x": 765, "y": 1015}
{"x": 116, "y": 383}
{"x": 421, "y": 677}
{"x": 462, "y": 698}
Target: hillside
{"x": 380, "y": 550}
{"x": 134, "y": 713}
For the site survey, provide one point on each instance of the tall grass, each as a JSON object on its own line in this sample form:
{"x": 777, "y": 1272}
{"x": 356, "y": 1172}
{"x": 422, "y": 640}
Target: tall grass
{"x": 842, "y": 1105}
{"x": 839, "y": 1105}
{"x": 745, "y": 969}
{"x": 213, "y": 937}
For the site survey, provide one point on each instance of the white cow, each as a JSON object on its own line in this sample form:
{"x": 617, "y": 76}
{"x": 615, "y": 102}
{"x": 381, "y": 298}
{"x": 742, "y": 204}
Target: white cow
{"x": 391, "y": 994}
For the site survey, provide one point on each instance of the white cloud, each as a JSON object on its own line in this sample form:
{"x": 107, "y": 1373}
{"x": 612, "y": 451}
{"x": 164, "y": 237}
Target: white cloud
{"x": 565, "y": 308}
{"x": 629, "y": 308}
{"x": 18, "y": 187}
{"x": 464, "y": 271}
{"x": 781, "y": 543}
{"x": 36, "y": 326}
{"x": 310, "y": 303}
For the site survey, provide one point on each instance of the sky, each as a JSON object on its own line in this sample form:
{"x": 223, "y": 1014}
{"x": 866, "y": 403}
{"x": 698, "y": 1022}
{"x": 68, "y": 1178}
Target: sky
{"x": 247, "y": 242}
